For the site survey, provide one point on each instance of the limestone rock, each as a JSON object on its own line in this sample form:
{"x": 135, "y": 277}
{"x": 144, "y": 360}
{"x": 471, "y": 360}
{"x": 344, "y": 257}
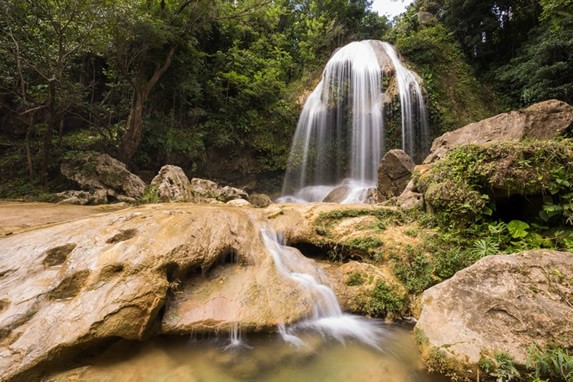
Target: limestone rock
{"x": 394, "y": 173}
{"x": 504, "y": 302}
{"x": 68, "y": 286}
{"x": 204, "y": 189}
{"x": 102, "y": 172}
{"x": 98, "y": 196}
{"x": 544, "y": 120}
{"x": 230, "y": 193}
{"x": 410, "y": 199}
{"x": 353, "y": 283}
{"x": 239, "y": 203}
{"x": 337, "y": 195}
{"x": 260, "y": 200}
{"x": 172, "y": 185}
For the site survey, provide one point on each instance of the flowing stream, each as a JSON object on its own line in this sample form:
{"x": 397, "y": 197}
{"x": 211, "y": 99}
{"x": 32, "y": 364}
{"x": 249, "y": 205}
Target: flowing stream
{"x": 339, "y": 139}
{"x": 328, "y": 345}
{"x": 327, "y": 316}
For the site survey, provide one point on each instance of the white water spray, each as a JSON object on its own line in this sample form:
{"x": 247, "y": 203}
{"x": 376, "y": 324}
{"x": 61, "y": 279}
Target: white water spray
{"x": 327, "y": 317}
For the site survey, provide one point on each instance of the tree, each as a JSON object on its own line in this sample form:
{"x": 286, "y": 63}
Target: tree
{"x": 544, "y": 67}
{"x": 42, "y": 39}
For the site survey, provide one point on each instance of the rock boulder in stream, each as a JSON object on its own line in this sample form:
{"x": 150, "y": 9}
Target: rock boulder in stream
{"x": 394, "y": 173}
{"x": 501, "y": 303}
{"x": 138, "y": 272}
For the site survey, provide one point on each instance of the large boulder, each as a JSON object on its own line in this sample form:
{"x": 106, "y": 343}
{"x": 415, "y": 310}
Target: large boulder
{"x": 205, "y": 190}
{"x": 544, "y": 120}
{"x": 501, "y": 303}
{"x": 394, "y": 173}
{"x": 172, "y": 185}
{"x": 96, "y": 171}
{"x": 137, "y": 272}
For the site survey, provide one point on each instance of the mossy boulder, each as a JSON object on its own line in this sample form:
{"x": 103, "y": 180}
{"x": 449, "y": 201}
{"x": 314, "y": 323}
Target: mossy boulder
{"x": 544, "y": 120}
{"x": 501, "y": 178}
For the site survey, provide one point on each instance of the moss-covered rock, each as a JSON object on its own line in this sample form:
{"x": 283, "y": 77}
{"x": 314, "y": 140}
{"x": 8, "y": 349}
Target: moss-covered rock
{"x": 476, "y": 180}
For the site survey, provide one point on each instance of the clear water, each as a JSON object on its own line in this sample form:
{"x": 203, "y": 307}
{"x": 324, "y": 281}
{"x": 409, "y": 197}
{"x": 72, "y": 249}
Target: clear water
{"x": 262, "y": 358}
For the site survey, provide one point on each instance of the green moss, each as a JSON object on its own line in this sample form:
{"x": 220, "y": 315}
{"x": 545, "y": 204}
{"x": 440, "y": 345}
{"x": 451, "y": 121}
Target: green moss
{"x": 463, "y": 187}
{"x": 384, "y": 216}
{"x": 355, "y": 279}
{"x": 454, "y": 97}
{"x": 386, "y": 301}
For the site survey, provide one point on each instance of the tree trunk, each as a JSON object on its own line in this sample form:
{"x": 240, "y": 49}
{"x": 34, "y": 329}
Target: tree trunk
{"x": 28, "y": 148}
{"x": 51, "y": 126}
{"x": 141, "y": 89}
{"x": 134, "y": 128}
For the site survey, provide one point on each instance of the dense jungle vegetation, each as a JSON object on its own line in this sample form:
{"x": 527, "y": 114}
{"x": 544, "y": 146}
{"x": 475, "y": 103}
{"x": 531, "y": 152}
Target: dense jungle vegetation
{"x": 216, "y": 87}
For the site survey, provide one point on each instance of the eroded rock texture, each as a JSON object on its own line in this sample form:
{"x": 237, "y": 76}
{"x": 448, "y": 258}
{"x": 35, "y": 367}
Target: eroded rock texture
{"x": 501, "y": 303}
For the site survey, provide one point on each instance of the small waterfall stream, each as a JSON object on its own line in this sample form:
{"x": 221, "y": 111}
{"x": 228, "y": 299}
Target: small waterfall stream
{"x": 327, "y": 317}
{"x": 339, "y": 139}
{"x": 415, "y": 132}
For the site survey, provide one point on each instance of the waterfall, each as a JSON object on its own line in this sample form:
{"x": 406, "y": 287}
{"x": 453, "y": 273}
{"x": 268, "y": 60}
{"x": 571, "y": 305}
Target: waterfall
{"x": 415, "y": 131}
{"x": 339, "y": 139}
{"x": 327, "y": 316}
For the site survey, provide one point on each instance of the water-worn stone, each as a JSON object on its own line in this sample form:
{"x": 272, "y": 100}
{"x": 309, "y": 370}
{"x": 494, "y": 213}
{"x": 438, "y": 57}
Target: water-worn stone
{"x": 102, "y": 172}
{"x": 543, "y": 120}
{"x": 501, "y": 303}
{"x": 260, "y": 200}
{"x": 337, "y": 195}
{"x": 172, "y": 185}
{"x": 204, "y": 189}
{"x": 394, "y": 173}
{"x": 71, "y": 285}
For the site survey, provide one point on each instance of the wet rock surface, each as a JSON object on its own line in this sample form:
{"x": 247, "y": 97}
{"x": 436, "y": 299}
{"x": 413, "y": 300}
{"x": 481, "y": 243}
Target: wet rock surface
{"x": 134, "y": 273}
{"x": 394, "y": 173}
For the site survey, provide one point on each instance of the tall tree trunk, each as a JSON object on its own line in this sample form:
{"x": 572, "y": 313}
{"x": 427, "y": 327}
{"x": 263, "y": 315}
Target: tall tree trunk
{"x": 28, "y": 148}
{"x": 52, "y": 123}
{"x": 141, "y": 89}
{"x": 134, "y": 128}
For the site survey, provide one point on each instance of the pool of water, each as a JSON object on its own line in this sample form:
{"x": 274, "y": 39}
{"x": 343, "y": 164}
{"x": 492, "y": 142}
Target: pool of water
{"x": 256, "y": 358}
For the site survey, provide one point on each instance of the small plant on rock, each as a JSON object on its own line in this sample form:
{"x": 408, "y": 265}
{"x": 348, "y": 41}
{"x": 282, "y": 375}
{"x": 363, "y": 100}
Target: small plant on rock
{"x": 501, "y": 366}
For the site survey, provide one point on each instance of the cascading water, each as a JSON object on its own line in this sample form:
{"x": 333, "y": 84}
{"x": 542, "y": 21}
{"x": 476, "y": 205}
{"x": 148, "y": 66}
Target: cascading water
{"x": 339, "y": 139}
{"x": 327, "y": 317}
{"x": 415, "y": 132}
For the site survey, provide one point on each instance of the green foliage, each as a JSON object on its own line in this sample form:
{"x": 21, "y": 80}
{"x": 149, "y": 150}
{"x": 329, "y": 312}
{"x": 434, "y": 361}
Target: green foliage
{"x": 150, "y": 196}
{"x": 552, "y": 362}
{"x": 415, "y": 271}
{"x": 460, "y": 187}
{"x": 386, "y": 301}
{"x": 454, "y": 95}
{"x": 501, "y": 366}
{"x": 355, "y": 279}
{"x": 542, "y": 70}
